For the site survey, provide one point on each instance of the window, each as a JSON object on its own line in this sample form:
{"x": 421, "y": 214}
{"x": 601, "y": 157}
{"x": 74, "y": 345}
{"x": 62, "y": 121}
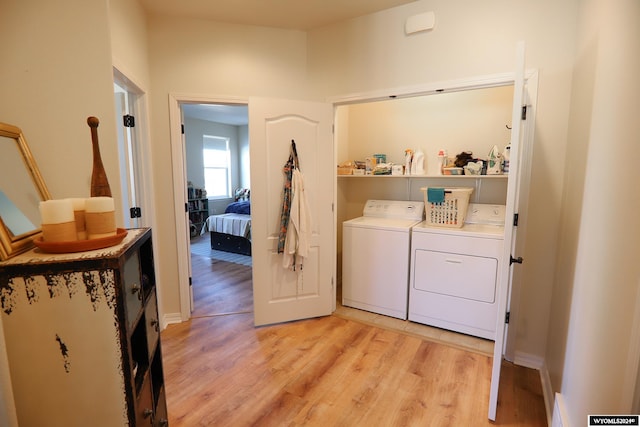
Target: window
{"x": 217, "y": 166}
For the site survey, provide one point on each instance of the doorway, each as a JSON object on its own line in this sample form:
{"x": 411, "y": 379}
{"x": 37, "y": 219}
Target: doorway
{"x": 217, "y": 171}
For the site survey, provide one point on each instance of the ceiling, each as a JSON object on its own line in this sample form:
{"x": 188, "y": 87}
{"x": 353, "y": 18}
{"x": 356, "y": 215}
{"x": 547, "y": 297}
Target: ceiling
{"x": 288, "y": 14}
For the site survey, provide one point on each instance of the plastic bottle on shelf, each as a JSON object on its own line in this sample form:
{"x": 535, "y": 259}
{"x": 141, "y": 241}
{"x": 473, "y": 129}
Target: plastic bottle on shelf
{"x": 506, "y": 154}
{"x": 408, "y": 155}
{"x": 417, "y": 164}
{"x": 442, "y": 161}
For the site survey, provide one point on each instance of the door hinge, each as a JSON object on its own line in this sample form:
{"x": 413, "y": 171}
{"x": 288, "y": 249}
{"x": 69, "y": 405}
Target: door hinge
{"x": 524, "y": 112}
{"x": 186, "y": 207}
{"x": 515, "y": 219}
{"x": 518, "y": 260}
{"x": 190, "y": 281}
{"x": 507, "y": 316}
{"x": 135, "y": 212}
{"x": 128, "y": 120}
{"x": 182, "y": 129}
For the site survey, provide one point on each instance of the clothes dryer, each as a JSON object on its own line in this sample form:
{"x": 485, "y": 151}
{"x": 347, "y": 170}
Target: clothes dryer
{"x": 376, "y": 254}
{"x": 454, "y": 273}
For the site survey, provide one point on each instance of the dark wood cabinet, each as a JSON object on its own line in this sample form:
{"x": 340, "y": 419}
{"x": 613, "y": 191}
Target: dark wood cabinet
{"x": 83, "y": 336}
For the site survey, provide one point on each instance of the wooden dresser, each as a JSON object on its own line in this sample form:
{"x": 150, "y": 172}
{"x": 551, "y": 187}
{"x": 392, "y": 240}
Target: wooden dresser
{"x": 83, "y": 336}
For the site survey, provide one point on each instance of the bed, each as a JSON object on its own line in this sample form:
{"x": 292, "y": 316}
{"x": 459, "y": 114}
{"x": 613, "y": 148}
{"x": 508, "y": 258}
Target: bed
{"x": 231, "y": 231}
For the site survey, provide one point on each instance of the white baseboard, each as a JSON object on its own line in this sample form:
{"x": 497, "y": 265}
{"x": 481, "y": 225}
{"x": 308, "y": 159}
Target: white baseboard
{"x": 560, "y": 417}
{"x": 171, "y": 318}
{"x": 547, "y": 394}
{"x": 528, "y": 360}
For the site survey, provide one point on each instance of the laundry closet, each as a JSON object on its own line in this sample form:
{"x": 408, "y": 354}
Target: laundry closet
{"x": 473, "y": 120}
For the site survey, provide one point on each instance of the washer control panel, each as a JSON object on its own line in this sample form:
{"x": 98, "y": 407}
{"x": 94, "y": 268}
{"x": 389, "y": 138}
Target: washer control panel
{"x": 398, "y": 209}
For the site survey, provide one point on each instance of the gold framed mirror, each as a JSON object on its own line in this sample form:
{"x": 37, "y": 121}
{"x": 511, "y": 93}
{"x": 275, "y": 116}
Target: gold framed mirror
{"x": 21, "y": 190}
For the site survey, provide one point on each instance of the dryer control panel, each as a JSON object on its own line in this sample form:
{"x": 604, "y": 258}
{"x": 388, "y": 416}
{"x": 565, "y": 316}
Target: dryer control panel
{"x": 485, "y": 214}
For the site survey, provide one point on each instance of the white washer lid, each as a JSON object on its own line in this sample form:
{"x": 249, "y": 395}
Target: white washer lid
{"x": 392, "y": 224}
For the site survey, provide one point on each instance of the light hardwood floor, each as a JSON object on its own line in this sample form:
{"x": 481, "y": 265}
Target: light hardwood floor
{"x": 335, "y": 371}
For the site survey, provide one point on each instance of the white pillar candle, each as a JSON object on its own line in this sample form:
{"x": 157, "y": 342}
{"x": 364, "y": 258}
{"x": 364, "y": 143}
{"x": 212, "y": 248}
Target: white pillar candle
{"x": 100, "y": 219}
{"x": 78, "y": 203}
{"x": 99, "y": 204}
{"x": 78, "y": 213}
{"x": 56, "y": 211}
{"x": 58, "y": 223}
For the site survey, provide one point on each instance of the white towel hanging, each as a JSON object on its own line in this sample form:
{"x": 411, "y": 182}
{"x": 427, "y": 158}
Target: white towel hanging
{"x": 298, "y": 239}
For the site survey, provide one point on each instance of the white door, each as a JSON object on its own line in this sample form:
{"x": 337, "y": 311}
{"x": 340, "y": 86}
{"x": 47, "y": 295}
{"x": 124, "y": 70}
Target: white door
{"x": 281, "y": 294}
{"x": 515, "y": 178}
{"x": 521, "y": 206}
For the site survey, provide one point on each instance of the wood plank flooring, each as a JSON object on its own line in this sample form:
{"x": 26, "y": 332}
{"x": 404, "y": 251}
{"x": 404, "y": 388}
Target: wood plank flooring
{"x": 220, "y": 287}
{"x": 221, "y": 371}
{"x": 333, "y": 371}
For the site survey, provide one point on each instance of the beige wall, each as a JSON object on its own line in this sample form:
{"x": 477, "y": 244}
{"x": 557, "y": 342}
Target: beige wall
{"x": 592, "y": 352}
{"x": 129, "y": 50}
{"x": 56, "y": 72}
{"x": 472, "y": 121}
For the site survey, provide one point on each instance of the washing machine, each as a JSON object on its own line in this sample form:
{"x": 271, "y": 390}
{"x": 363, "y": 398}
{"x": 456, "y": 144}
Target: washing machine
{"x": 375, "y": 256}
{"x": 455, "y": 271}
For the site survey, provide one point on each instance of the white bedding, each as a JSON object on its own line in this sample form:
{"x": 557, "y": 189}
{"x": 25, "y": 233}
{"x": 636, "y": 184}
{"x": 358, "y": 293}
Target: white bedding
{"x": 230, "y": 223}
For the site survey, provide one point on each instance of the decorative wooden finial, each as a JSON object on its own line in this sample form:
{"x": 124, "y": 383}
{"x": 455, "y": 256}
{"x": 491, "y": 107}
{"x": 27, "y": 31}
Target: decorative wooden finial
{"x": 99, "y": 181}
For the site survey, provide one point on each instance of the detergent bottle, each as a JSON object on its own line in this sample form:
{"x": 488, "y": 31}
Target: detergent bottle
{"x": 506, "y": 157}
{"x": 495, "y": 162}
{"x": 417, "y": 164}
{"x": 408, "y": 155}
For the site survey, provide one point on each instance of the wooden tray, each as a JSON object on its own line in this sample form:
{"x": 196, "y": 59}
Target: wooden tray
{"x": 80, "y": 245}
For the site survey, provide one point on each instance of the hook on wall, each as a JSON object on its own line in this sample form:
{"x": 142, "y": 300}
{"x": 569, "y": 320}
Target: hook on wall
{"x": 507, "y": 126}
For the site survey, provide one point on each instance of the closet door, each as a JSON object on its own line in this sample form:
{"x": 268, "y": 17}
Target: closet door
{"x": 520, "y": 133}
{"x": 284, "y": 294}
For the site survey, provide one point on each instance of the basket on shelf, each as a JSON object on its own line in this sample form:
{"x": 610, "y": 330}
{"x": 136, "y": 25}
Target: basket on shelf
{"x": 449, "y": 208}
{"x": 345, "y": 170}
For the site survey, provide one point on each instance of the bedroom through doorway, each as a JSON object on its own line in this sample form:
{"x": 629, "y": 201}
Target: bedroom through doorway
{"x": 217, "y": 173}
